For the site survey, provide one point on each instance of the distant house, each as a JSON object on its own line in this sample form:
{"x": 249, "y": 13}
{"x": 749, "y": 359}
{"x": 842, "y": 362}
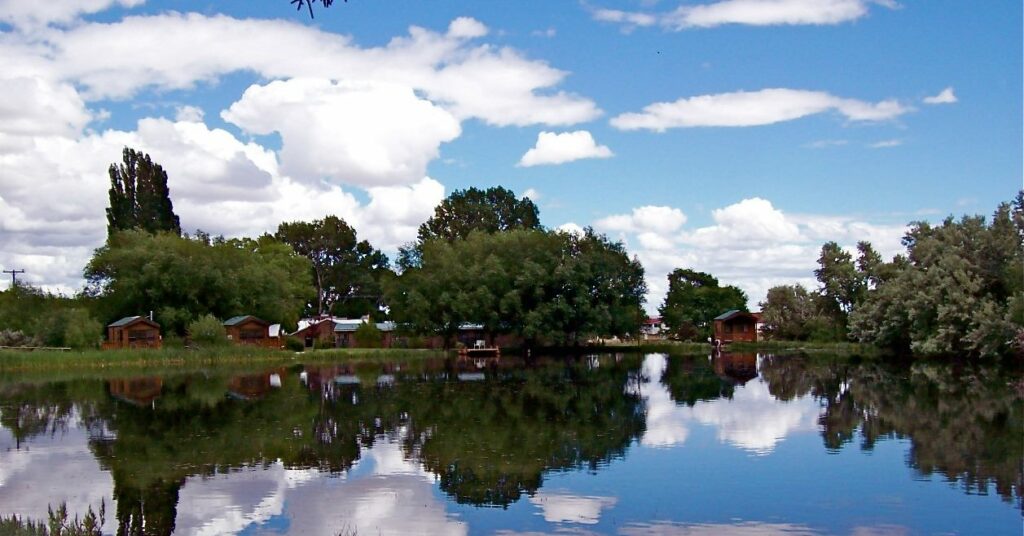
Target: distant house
{"x": 133, "y": 332}
{"x": 736, "y": 325}
{"x": 249, "y": 330}
{"x": 652, "y": 327}
{"x": 315, "y": 329}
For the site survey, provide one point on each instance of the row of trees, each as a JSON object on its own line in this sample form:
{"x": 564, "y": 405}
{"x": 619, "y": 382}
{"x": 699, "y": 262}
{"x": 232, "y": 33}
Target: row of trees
{"x": 958, "y": 290}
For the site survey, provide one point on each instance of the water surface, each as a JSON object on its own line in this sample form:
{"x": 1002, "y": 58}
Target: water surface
{"x": 604, "y": 444}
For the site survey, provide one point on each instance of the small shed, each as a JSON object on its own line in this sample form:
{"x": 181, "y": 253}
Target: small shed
{"x": 133, "y": 332}
{"x": 736, "y": 325}
{"x": 250, "y": 330}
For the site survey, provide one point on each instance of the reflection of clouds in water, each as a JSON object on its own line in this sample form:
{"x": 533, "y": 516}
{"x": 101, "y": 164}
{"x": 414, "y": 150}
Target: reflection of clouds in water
{"x": 753, "y": 419}
{"x": 394, "y": 497}
{"x": 46, "y": 471}
{"x": 566, "y": 508}
{"x": 751, "y": 528}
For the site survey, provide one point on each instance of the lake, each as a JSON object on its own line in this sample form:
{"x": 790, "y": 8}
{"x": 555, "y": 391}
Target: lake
{"x": 604, "y": 444}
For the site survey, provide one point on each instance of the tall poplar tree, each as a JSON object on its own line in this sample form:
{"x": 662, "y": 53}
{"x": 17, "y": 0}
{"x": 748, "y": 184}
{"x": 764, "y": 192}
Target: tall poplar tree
{"x": 139, "y": 197}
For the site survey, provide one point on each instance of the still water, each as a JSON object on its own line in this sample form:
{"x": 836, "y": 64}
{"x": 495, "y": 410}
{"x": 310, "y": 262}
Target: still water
{"x": 607, "y": 444}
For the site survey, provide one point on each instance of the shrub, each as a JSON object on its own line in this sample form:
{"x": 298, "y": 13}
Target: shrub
{"x": 207, "y": 330}
{"x": 368, "y": 336}
{"x": 11, "y": 337}
{"x": 294, "y": 344}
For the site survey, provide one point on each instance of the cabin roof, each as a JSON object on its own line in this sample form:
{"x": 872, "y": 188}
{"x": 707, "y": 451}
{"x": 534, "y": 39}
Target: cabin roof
{"x": 733, "y": 313}
{"x": 236, "y": 320}
{"x": 131, "y": 320}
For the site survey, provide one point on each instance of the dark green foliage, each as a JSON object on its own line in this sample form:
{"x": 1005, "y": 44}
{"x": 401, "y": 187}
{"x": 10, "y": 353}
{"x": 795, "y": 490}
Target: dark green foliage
{"x": 694, "y": 299}
{"x": 45, "y": 319}
{"x": 57, "y": 524}
{"x": 957, "y": 293}
{"x": 547, "y": 287}
{"x": 139, "y": 197}
{"x": 181, "y": 278}
{"x": 492, "y": 210}
{"x": 293, "y": 344}
{"x": 368, "y": 336}
{"x": 347, "y": 272}
{"x": 207, "y": 330}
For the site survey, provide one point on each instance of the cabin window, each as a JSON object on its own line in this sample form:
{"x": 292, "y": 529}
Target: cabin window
{"x": 728, "y": 328}
{"x": 140, "y": 335}
{"x": 249, "y": 334}
{"x": 743, "y": 328}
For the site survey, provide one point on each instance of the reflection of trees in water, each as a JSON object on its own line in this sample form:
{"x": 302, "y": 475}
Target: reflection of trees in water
{"x": 490, "y": 441}
{"x": 964, "y": 423}
{"x": 691, "y": 379}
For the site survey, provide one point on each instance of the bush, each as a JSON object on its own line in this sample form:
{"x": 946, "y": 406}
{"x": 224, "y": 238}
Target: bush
{"x": 207, "y": 330}
{"x": 74, "y": 328}
{"x": 10, "y": 337}
{"x": 368, "y": 336}
{"x": 294, "y": 344}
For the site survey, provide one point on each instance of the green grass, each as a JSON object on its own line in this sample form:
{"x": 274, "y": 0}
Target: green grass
{"x": 12, "y": 361}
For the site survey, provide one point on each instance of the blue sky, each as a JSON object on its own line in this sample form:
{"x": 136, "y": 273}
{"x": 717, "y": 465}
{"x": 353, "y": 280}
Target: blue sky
{"x": 731, "y": 136}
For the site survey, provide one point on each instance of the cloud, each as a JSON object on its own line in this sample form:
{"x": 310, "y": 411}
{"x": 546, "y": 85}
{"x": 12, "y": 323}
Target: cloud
{"x": 362, "y": 134}
{"x": 553, "y": 148}
{"x": 497, "y": 85}
{"x": 740, "y": 528}
{"x": 746, "y": 12}
{"x": 945, "y": 96}
{"x": 30, "y": 15}
{"x": 753, "y": 108}
{"x": 531, "y": 194}
{"x": 750, "y": 244}
{"x": 821, "y": 144}
{"x": 885, "y": 144}
{"x": 53, "y": 195}
{"x": 347, "y": 116}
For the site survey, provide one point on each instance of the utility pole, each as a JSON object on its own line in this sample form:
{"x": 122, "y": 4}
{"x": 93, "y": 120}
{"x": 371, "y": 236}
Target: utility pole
{"x": 14, "y": 276}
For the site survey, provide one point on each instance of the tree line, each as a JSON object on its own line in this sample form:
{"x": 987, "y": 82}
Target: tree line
{"x": 957, "y": 290}
{"x": 483, "y": 258}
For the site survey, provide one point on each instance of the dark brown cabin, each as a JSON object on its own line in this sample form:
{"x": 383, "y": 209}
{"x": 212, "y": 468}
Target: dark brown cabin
{"x": 249, "y": 330}
{"x": 735, "y": 325}
{"x": 318, "y": 330}
{"x": 133, "y": 332}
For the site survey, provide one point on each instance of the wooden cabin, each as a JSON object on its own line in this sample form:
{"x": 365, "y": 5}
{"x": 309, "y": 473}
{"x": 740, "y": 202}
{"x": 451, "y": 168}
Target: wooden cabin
{"x": 736, "y": 325}
{"x": 133, "y": 332}
{"x": 311, "y": 331}
{"x": 138, "y": 391}
{"x": 249, "y": 330}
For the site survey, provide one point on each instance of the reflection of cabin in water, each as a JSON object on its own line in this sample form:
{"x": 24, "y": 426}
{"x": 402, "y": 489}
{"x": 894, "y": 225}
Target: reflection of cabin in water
{"x": 254, "y": 386}
{"x": 138, "y": 391}
{"x": 133, "y": 332}
{"x": 735, "y": 325}
{"x": 249, "y": 330}
{"x": 736, "y": 369}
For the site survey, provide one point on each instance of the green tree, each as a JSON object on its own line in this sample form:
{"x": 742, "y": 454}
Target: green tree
{"x": 181, "y": 278}
{"x": 552, "y": 287}
{"x": 492, "y": 210}
{"x": 694, "y": 299}
{"x": 957, "y": 293}
{"x": 208, "y": 330}
{"x": 787, "y": 311}
{"x": 842, "y": 284}
{"x": 347, "y": 272}
{"x": 139, "y": 197}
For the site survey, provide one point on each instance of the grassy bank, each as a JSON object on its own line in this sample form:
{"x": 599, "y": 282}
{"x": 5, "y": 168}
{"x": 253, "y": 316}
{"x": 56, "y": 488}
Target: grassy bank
{"x": 12, "y": 361}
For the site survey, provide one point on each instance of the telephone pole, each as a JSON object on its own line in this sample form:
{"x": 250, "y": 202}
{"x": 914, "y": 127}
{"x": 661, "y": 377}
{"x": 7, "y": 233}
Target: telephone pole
{"x": 14, "y": 276}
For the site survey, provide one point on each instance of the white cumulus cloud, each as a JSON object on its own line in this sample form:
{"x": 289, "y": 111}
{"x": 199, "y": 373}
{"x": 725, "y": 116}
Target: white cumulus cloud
{"x": 753, "y": 108}
{"x": 746, "y": 12}
{"x": 946, "y": 96}
{"x": 363, "y": 134}
{"x": 559, "y": 148}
